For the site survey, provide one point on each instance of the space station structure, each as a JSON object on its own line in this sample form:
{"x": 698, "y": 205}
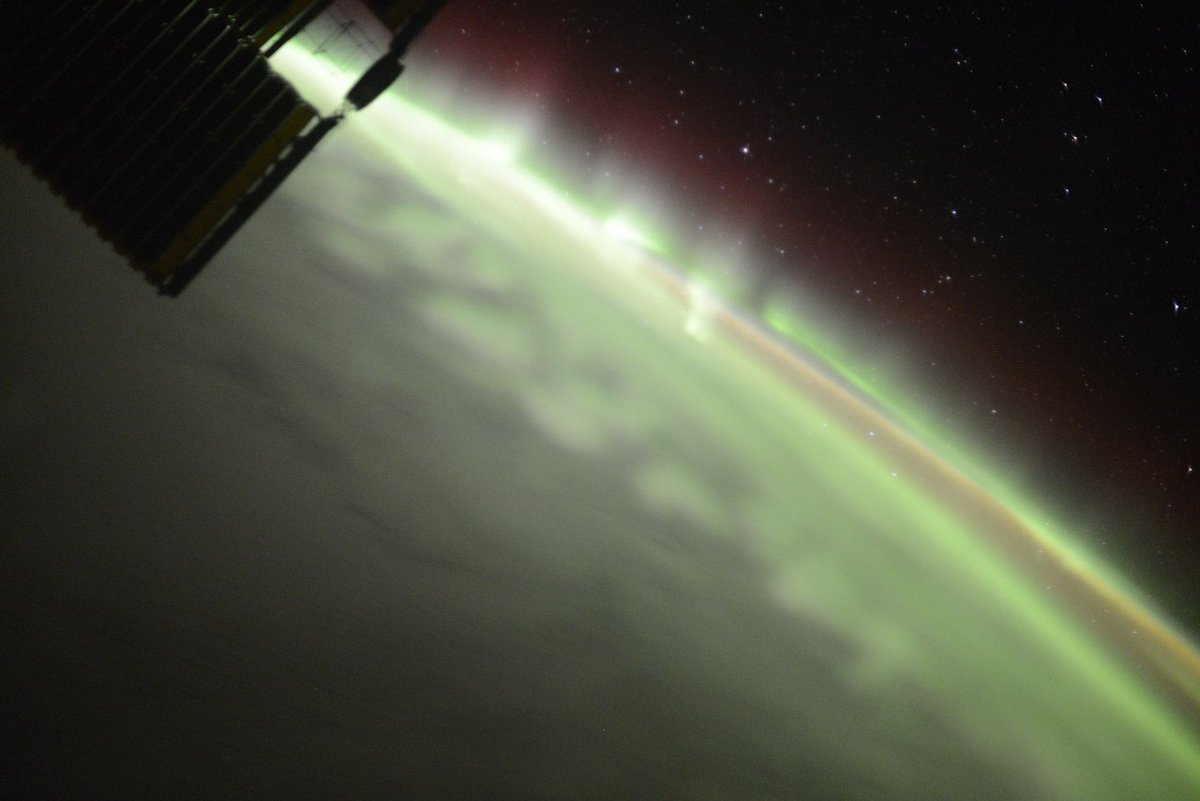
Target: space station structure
{"x": 164, "y": 124}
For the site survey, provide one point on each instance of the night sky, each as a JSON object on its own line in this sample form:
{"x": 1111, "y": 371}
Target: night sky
{"x": 1008, "y": 196}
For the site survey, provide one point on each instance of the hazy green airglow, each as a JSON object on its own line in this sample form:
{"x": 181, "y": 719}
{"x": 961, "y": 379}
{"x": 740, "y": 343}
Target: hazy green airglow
{"x": 839, "y": 488}
{"x": 622, "y": 229}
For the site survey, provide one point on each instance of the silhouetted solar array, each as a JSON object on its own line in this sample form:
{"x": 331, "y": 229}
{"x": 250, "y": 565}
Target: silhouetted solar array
{"x": 161, "y": 121}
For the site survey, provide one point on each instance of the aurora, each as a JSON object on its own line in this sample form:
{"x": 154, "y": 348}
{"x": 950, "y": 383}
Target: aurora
{"x": 755, "y": 429}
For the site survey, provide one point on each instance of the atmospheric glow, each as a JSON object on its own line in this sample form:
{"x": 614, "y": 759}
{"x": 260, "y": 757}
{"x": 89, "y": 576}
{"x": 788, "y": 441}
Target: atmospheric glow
{"x": 703, "y": 307}
{"x": 936, "y": 571}
{"x": 624, "y": 230}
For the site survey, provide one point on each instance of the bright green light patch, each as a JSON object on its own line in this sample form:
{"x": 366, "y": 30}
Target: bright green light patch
{"x": 502, "y": 152}
{"x": 619, "y": 228}
{"x": 319, "y": 81}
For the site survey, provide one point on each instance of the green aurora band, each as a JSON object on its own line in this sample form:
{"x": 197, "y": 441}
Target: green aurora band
{"x": 759, "y": 431}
